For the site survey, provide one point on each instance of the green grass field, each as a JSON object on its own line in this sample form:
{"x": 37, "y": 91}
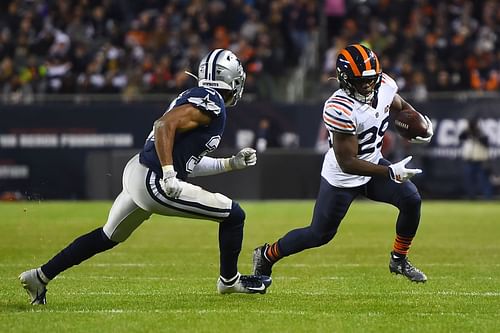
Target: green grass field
{"x": 163, "y": 278}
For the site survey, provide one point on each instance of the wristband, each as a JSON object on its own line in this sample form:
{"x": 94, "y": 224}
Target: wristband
{"x": 168, "y": 170}
{"x": 226, "y": 162}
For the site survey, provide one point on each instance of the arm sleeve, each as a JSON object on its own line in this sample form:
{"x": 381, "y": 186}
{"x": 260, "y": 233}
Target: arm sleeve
{"x": 208, "y": 166}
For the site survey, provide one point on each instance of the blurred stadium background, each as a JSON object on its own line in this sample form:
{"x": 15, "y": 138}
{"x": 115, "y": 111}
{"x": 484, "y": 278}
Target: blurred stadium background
{"x": 81, "y": 82}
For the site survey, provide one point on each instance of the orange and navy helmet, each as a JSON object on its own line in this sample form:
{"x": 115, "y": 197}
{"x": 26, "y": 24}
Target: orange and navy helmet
{"x": 359, "y": 72}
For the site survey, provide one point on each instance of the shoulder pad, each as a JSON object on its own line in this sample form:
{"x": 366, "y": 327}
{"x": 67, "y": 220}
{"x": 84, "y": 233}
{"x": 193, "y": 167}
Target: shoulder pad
{"x": 205, "y": 99}
{"x": 389, "y": 81}
{"x": 338, "y": 114}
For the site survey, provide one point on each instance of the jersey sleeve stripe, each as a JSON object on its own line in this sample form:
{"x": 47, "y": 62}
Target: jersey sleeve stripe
{"x": 337, "y": 124}
{"x": 346, "y": 101}
{"x": 341, "y": 100}
{"x": 336, "y": 106}
{"x": 344, "y": 98}
{"x": 347, "y": 121}
{"x": 336, "y": 129}
{"x": 384, "y": 77}
{"x": 342, "y": 103}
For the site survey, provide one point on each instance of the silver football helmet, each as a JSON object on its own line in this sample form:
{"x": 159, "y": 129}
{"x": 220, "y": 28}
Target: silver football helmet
{"x": 221, "y": 69}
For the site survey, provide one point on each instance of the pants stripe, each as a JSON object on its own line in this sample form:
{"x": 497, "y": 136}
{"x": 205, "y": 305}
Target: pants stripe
{"x": 195, "y": 208}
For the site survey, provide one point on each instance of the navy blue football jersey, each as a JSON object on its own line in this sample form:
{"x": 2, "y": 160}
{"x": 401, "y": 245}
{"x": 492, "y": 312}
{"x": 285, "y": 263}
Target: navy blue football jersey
{"x": 190, "y": 146}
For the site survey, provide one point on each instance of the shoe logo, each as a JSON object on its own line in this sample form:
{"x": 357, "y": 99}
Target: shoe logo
{"x": 262, "y": 287}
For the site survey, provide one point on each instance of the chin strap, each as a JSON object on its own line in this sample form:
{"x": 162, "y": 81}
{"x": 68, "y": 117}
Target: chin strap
{"x": 192, "y": 75}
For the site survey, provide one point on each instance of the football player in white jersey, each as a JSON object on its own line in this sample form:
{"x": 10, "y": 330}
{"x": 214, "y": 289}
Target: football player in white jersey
{"x": 155, "y": 181}
{"x": 357, "y": 116}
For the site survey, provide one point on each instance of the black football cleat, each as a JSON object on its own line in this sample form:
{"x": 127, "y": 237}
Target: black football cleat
{"x": 404, "y": 267}
{"x": 261, "y": 266}
{"x": 244, "y": 284}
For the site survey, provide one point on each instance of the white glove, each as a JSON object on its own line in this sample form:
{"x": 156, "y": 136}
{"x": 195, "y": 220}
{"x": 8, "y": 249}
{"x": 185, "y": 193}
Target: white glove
{"x": 170, "y": 184}
{"x": 399, "y": 173}
{"x": 430, "y": 133}
{"x": 245, "y": 158}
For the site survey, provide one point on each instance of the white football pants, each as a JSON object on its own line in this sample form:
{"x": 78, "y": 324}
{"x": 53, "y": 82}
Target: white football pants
{"x": 143, "y": 196}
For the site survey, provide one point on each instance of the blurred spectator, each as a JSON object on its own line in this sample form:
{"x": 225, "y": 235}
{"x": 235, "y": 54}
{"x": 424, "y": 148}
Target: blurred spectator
{"x": 454, "y": 45}
{"x": 323, "y": 139}
{"x": 425, "y": 45}
{"x": 419, "y": 91}
{"x": 263, "y": 132}
{"x": 475, "y": 156}
{"x": 485, "y": 73}
{"x": 335, "y": 11}
{"x": 96, "y": 46}
{"x": 267, "y": 134}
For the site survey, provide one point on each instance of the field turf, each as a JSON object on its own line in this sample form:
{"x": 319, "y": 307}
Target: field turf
{"x": 163, "y": 278}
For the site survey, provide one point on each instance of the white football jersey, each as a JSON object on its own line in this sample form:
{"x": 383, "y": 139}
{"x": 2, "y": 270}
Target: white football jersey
{"x": 344, "y": 114}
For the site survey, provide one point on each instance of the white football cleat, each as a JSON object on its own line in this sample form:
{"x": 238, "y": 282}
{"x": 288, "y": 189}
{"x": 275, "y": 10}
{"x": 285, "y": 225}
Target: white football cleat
{"x": 245, "y": 284}
{"x": 34, "y": 286}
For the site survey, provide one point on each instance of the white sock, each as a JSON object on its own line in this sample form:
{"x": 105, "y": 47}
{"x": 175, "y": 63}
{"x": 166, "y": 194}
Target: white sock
{"x": 42, "y": 276}
{"x": 232, "y": 280}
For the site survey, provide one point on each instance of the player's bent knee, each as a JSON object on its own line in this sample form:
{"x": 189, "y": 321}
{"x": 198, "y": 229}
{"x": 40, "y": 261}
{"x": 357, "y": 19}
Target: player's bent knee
{"x": 105, "y": 242}
{"x": 412, "y": 201}
{"x": 324, "y": 238}
{"x": 121, "y": 231}
{"x": 236, "y": 216}
{"x": 320, "y": 239}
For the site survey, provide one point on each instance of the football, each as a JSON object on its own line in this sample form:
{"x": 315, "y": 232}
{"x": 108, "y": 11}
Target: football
{"x": 410, "y": 124}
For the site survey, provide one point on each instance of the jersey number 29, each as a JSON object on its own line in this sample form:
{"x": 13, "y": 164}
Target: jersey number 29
{"x": 372, "y": 138}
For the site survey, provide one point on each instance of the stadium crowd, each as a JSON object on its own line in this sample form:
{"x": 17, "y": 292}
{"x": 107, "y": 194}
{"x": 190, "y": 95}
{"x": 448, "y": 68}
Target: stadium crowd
{"x": 133, "y": 47}
{"x": 426, "y": 45}
{"x": 136, "y": 47}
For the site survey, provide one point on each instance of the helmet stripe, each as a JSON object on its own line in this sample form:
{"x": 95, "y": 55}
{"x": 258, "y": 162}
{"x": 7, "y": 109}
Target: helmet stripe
{"x": 207, "y": 64}
{"x": 211, "y": 63}
{"x": 349, "y": 58}
{"x": 366, "y": 58}
{"x": 214, "y": 63}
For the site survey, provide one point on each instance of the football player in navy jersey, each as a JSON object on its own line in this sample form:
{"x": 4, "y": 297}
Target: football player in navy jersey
{"x": 155, "y": 181}
{"x": 356, "y": 117}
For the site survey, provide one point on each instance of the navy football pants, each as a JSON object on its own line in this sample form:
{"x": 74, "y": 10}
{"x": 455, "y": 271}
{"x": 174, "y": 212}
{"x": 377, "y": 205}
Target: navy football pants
{"x": 333, "y": 202}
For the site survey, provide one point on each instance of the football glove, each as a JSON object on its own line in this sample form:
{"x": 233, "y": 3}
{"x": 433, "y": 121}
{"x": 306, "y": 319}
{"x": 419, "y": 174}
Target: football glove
{"x": 244, "y": 158}
{"x": 399, "y": 173}
{"x": 430, "y": 133}
{"x": 170, "y": 183}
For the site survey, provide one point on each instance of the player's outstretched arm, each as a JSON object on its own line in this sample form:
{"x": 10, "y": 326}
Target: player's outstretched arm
{"x": 213, "y": 166}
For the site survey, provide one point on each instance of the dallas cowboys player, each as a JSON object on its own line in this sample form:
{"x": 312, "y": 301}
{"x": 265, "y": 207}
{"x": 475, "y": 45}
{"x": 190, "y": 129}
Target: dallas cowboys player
{"x": 357, "y": 117}
{"x": 154, "y": 181}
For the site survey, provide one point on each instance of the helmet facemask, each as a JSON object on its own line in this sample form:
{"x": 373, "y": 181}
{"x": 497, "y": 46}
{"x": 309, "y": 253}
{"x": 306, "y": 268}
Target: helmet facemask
{"x": 222, "y": 70}
{"x": 359, "y": 73}
{"x": 363, "y": 89}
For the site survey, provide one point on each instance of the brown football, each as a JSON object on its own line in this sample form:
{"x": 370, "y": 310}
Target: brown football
{"x": 410, "y": 124}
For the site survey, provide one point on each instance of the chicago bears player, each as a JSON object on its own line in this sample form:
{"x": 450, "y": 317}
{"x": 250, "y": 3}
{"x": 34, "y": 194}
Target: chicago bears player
{"x": 155, "y": 180}
{"x": 356, "y": 117}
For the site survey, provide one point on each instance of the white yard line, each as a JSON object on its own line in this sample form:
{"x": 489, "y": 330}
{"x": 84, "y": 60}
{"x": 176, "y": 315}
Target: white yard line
{"x": 115, "y": 264}
{"x": 227, "y": 311}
